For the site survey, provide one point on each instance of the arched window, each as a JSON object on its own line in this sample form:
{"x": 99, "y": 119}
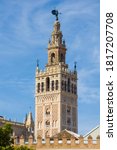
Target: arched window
{"x": 62, "y": 58}
{"x": 52, "y": 86}
{"x": 68, "y": 121}
{"x": 65, "y": 85}
{"x": 38, "y": 87}
{"x": 56, "y": 84}
{"x": 68, "y": 109}
{"x": 75, "y": 89}
{"x": 72, "y": 88}
{"x": 52, "y": 58}
{"x": 47, "y": 84}
{"x": 47, "y": 123}
{"x": 42, "y": 86}
{"x": 48, "y": 111}
{"x": 68, "y": 84}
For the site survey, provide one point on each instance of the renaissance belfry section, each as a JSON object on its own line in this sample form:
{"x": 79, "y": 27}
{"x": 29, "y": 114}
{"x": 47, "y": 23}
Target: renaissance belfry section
{"x": 55, "y": 90}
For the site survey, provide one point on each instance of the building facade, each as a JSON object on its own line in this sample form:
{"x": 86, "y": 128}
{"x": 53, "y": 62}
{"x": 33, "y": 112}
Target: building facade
{"x": 55, "y": 91}
{"x": 19, "y": 129}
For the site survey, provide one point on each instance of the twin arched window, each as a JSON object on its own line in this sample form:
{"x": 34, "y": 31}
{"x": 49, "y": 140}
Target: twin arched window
{"x": 62, "y": 57}
{"x": 68, "y": 86}
{"x": 54, "y": 85}
{"x": 54, "y": 123}
{"x": 40, "y": 87}
{"x": 40, "y": 124}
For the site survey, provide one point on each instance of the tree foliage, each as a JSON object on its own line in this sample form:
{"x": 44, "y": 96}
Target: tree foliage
{"x": 22, "y": 148}
{"x": 15, "y": 148}
{"x": 6, "y": 141}
{"x": 5, "y": 135}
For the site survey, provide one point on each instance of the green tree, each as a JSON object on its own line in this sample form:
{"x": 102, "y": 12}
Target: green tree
{"x": 15, "y": 148}
{"x": 6, "y": 141}
{"x": 22, "y": 148}
{"x": 5, "y": 135}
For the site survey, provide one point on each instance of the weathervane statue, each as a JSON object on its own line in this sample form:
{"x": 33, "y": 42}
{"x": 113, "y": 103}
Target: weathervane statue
{"x": 55, "y": 12}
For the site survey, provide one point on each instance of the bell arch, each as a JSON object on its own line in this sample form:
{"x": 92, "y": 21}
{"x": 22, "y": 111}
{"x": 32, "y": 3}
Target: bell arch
{"x": 52, "y": 57}
{"x": 47, "y": 84}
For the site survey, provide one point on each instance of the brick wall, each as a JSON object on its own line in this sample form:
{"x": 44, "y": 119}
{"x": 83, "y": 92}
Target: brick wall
{"x": 62, "y": 143}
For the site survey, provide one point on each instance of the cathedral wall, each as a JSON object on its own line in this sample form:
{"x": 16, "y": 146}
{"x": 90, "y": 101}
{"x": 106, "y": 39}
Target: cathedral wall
{"x": 18, "y": 128}
{"x": 63, "y": 143}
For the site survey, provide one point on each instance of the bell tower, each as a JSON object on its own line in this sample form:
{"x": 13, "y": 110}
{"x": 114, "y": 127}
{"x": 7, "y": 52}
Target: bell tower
{"x": 56, "y": 46}
{"x": 55, "y": 90}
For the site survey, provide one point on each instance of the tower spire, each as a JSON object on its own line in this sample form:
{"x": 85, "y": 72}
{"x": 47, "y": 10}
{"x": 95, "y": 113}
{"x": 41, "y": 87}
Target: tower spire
{"x": 37, "y": 67}
{"x": 56, "y": 45}
{"x": 75, "y": 63}
{"x": 56, "y": 39}
{"x": 38, "y": 63}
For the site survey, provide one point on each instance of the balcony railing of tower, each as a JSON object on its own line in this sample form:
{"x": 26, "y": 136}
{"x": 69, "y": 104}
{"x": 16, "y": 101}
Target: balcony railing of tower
{"x": 56, "y": 45}
{"x": 56, "y": 70}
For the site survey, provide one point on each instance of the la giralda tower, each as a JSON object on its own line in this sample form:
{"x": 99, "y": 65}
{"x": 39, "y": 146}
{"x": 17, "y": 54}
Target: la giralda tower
{"x": 55, "y": 90}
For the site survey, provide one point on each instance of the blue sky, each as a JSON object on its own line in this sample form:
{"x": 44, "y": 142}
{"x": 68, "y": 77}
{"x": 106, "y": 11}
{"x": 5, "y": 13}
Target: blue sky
{"x": 25, "y": 28}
